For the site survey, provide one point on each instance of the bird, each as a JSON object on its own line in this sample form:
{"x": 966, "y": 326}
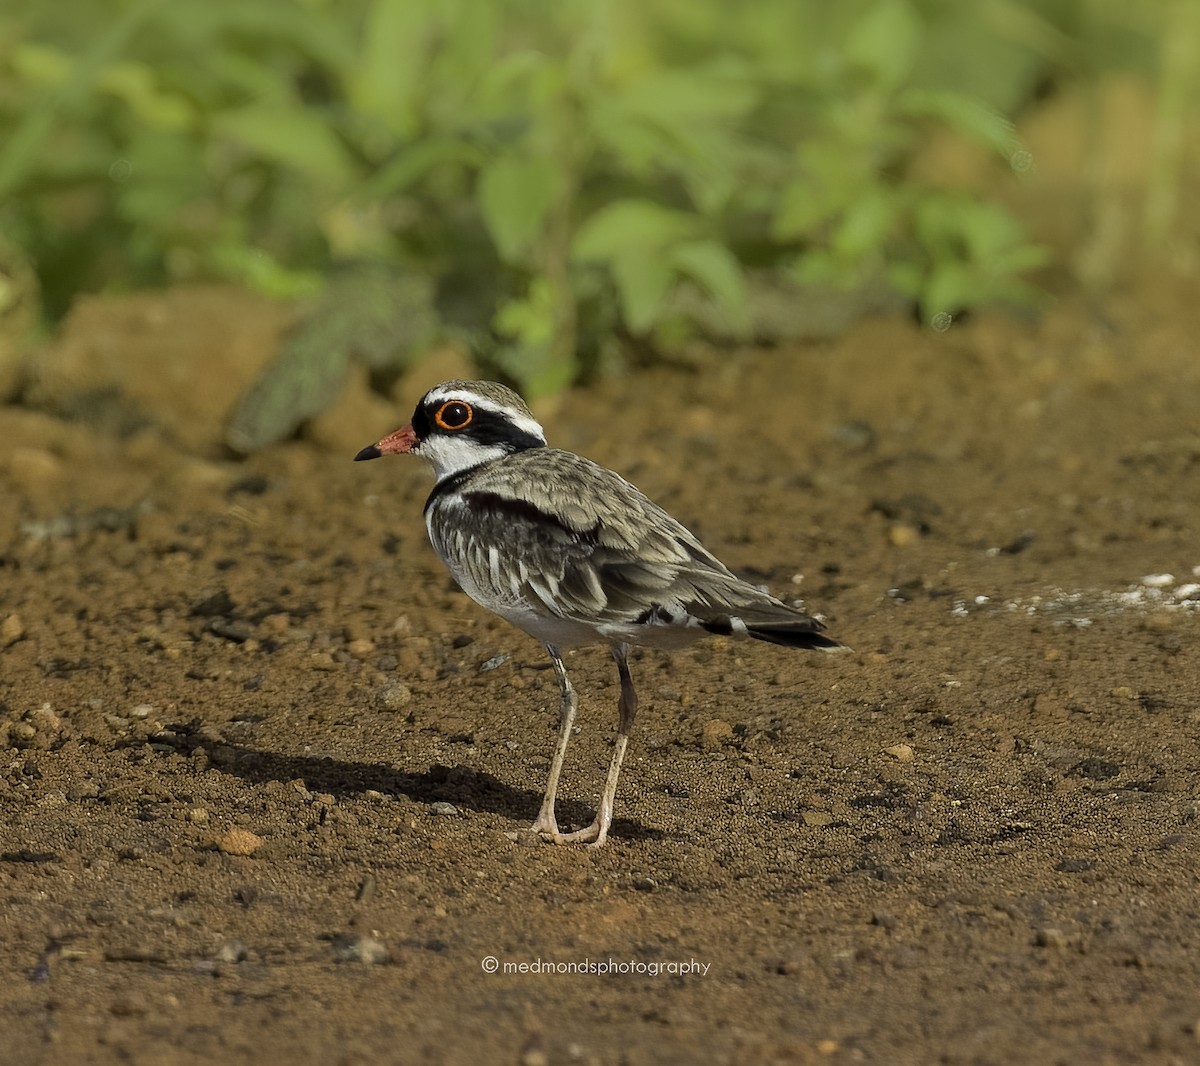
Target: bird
{"x": 574, "y": 555}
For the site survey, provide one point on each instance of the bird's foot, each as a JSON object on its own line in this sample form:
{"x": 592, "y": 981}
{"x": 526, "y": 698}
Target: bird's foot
{"x": 545, "y": 824}
{"x": 593, "y": 835}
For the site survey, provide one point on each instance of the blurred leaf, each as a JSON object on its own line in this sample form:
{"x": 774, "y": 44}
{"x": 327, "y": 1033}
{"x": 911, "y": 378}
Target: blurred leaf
{"x": 630, "y": 226}
{"x": 643, "y": 282}
{"x": 258, "y": 270}
{"x": 968, "y": 115}
{"x": 865, "y": 227}
{"x": 380, "y": 315}
{"x": 884, "y": 41}
{"x": 137, "y": 84}
{"x": 716, "y": 269}
{"x": 531, "y": 360}
{"x": 678, "y": 95}
{"x": 41, "y": 65}
{"x": 515, "y": 196}
{"x": 397, "y": 34}
{"x": 414, "y": 162}
{"x": 529, "y": 320}
{"x": 290, "y": 136}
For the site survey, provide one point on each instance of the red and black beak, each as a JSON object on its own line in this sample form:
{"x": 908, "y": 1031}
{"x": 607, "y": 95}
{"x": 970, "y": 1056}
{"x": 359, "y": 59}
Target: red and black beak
{"x": 401, "y": 442}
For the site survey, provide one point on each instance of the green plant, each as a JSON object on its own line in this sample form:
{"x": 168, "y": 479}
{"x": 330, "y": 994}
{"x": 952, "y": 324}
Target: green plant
{"x": 563, "y": 170}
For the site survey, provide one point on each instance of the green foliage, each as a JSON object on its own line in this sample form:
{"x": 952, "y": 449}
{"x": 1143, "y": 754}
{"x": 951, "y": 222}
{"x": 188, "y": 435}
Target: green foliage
{"x": 576, "y": 166}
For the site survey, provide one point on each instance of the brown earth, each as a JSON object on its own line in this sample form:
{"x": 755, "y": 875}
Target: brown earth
{"x": 237, "y": 698}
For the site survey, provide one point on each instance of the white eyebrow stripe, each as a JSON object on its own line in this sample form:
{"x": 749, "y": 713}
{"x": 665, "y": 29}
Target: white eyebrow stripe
{"x": 521, "y": 421}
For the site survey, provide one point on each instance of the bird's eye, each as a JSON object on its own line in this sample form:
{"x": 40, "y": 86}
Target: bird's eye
{"x": 454, "y": 415}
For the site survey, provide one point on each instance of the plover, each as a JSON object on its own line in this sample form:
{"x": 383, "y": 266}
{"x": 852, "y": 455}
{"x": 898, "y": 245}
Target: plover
{"x": 573, "y": 554}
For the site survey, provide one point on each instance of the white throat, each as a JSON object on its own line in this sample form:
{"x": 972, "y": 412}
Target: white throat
{"x": 450, "y": 455}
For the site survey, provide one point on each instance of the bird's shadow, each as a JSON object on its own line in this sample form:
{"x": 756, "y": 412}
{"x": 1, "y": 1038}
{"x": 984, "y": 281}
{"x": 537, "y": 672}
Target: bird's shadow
{"x": 466, "y": 788}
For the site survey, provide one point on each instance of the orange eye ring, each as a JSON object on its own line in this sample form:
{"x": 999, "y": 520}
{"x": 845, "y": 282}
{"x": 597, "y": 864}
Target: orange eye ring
{"x": 454, "y": 415}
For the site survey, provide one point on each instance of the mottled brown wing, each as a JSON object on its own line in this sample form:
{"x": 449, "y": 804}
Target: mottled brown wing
{"x": 553, "y": 529}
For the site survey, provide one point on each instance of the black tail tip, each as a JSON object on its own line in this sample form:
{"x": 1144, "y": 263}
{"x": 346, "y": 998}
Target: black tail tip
{"x": 371, "y": 451}
{"x": 795, "y": 637}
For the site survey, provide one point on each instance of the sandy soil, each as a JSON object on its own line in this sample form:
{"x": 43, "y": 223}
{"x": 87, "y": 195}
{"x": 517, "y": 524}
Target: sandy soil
{"x": 260, "y": 761}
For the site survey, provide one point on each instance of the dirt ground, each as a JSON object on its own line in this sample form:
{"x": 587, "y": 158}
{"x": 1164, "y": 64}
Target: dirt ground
{"x": 261, "y": 765}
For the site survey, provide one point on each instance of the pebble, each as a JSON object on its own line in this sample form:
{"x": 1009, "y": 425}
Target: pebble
{"x": 817, "y": 819}
{"x": 525, "y": 838}
{"x": 83, "y": 790}
{"x": 12, "y": 629}
{"x": 369, "y": 950}
{"x": 21, "y": 735}
{"x": 715, "y": 733}
{"x": 443, "y": 809}
{"x": 900, "y": 752}
{"x": 1050, "y": 937}
{"x": 392, "y": 696}
{"x": 239, "y": 841}
{"x": 1158, "y": 581}
{"x": 232, "y": 951}
{"x": 494, "y": 662}
{"x": 44, "y": 719}
{"x": 361, "y": 649}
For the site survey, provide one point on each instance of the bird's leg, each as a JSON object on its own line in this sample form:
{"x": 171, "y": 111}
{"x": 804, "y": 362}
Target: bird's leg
{"x": 596, "y": 833}
{"x": 545, "y": 821}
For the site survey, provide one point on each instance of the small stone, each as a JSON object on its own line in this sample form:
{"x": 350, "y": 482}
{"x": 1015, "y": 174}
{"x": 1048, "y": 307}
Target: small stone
{"x": 83, "y": 790}
{"x": 393, "y": 696}
{"x": 442, "y": 809}
{"x": 12, "y": 629}
{"x": 715, "y": 733}
{"x": 239, "y": 841}
{"x": 361, "y": 649}
{"x": 21, "y": 735}
{"x": 534, "y": 1051}
{"x": 368, "y": 950}
{"x": 232, "y": 951}
{"x": 644, "y": 884}
{"x": 901, "y": 535}
{"x": 44, "y": 720}
{"x": 1123, "y": 692}
{"x": 900, "y": 752}
{"x": 198, "y": 816}
{"x": 525, "y": 838}
{"x": 1158, "y": 581}
{"x": 493, "y": 663}
{"x": 1050, "y": 937}
{"x": 816, "y": 819}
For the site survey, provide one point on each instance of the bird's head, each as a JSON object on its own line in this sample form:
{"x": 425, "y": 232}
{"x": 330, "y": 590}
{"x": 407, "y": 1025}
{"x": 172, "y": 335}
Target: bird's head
{"x": 461, "y": 424}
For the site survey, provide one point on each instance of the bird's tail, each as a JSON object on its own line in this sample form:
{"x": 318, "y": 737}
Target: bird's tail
{"x": 794, "y": 635}
{"x": 791, "y": 629}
